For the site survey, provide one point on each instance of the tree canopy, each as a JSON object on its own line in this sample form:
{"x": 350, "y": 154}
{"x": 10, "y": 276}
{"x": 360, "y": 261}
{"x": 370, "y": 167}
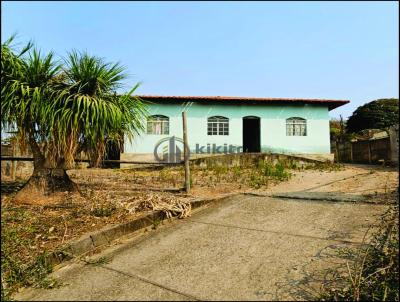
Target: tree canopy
{"x": 62, "y": 107}
{"x": 378, "y": 114}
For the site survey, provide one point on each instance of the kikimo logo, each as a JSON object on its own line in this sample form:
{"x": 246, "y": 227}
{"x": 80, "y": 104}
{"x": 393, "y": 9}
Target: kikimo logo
{"x": 171, "y": 149}
{"x": 218, "y": 149}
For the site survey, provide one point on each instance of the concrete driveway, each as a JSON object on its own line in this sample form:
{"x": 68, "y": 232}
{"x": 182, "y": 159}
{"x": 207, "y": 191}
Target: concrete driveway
{"x": 244, "y": 248}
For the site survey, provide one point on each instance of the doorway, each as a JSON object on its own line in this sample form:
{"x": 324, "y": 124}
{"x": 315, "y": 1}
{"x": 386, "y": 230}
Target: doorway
{"x": 251, "y": 134}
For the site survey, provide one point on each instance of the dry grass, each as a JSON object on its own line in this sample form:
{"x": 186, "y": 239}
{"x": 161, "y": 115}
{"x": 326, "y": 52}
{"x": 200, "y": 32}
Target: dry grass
{"x": 372, "y": 270}
{"x": 108, "y": 196}
{"x": 30, "y": 232}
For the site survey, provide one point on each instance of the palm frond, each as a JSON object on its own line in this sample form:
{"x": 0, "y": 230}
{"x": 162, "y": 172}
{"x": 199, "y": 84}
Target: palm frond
{"x": 68, "y": 107}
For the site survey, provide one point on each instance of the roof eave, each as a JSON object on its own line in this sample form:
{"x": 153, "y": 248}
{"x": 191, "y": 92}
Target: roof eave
{"x": 331, "y": 104}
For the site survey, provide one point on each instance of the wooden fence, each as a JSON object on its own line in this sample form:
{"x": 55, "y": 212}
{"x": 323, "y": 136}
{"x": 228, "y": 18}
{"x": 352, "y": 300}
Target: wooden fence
{"x": 367, "y": 151}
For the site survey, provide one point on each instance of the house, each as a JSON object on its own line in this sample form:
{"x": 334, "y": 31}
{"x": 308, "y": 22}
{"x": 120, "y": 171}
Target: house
{"x": 218, "y": 125}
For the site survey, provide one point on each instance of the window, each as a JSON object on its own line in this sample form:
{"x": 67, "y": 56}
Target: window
{"x": 218, "y": 125}
{"x": 158, "y": 124}
{"x": 296, "y": 126}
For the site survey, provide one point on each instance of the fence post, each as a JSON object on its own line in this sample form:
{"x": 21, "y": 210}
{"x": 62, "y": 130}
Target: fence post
{"x": 337, "y": 151}
{"x": 351, "y": 151}
{"x": 185, "y": 153}
{"x": 13, "y": 165}
{"x": 369, "y": 152}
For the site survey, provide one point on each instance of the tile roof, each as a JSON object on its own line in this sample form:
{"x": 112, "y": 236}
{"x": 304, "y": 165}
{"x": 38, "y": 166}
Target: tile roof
{"x": 332, "y": 104}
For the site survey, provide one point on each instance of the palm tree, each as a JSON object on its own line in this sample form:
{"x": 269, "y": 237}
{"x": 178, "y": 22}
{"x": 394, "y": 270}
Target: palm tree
{"x": 62, "y": 109}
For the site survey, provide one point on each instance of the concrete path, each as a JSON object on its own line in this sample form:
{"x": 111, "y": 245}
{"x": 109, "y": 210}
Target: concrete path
{"x": 244, "y": 248}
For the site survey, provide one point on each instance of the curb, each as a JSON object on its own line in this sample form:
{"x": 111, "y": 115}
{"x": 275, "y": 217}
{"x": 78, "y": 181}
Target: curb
{"x": 90, "y": 242}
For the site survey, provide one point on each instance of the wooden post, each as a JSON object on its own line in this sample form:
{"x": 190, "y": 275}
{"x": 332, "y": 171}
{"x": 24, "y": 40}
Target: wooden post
{"x": 369, "y": 152}
{"x": 185, "y": 153}
{"x": 351, "y": 152}
{"x": 13, "y": 164}
{"x": 337, "y": 151}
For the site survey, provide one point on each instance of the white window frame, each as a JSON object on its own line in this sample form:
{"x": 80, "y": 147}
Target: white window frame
{"x": 296, "y": 126}
{"x": 158, "y": 125}
{"x": 218, "y": 125}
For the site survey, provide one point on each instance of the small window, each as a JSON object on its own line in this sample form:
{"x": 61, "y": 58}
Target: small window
{"x": 158, "y": 124}
{"x": 296, "y": 126}
{"x": 218, "y": 125}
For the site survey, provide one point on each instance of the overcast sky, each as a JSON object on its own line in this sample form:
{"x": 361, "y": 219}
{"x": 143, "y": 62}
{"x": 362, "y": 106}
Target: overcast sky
{"x": 330, "y": 50}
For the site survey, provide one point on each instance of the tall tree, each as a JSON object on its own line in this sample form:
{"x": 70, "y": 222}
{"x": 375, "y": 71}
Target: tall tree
{"x": 60, "y": 109}
{"x": 378, "y": 114}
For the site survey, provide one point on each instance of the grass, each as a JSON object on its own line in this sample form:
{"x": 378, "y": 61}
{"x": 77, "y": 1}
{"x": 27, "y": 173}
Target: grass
{"x": 17, "y": 245}
{"x": 103, "y": 210}
{"x": 276, "y": 172}
{"x": 29, "y": 233}
{"x": 258, "y": 175}
{"x": 100, "y": 261}
{"x": 326, "y": 166}
{"x": 372, "y": 270}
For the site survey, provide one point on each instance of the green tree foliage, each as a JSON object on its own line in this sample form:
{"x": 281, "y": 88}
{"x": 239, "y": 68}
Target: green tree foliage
{"x": 60, "y": 108}
{"x": 338, "y": 131}
{"x": 378, "y": 114}
{"x": 334, "y": 128}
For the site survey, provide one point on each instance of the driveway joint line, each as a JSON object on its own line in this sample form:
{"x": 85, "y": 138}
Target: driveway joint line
{"x": 324, "y": 200}
{"x": 152, "y": 283}
{"x": 275, "y": 232}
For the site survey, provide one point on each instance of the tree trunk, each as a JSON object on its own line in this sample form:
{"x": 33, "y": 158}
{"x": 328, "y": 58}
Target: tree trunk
{"x": 46, "y": 185}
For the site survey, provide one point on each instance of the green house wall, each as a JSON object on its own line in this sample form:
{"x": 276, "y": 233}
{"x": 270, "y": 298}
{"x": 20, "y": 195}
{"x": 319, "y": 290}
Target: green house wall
{"x": 272, "y": 119}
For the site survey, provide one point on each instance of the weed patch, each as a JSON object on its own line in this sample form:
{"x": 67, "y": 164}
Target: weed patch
{"x": 103, "y": 210}
{"x": 326, "y": 166}
{"x": 254, "y": 175}
{"x": 373, "y": 270}
{"x": 101, "y": 261}
{"x": 16, "y": 271}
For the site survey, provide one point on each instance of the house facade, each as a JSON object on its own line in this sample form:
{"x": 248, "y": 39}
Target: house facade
{"x": 234, "y": 125}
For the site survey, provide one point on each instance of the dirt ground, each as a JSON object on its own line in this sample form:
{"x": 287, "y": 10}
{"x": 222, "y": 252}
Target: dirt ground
{"x": 116, "y": 195}
{"x": 113, "y": 195}
{"x": 242, "y": 248}
{"x": 352, "y": 179}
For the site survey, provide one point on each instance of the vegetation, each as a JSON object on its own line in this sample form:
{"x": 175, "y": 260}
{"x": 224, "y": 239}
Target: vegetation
{"x": 60, "y": 109}
{"x": 378, "y": 114}
{"x": 30, "y": 233}
{"x": 338, "y": 130}
{"x": 327, "y": 166}
{"x": 17, "y": 244}
{"x": 374, "y": 272}
{"x": 111, "y": 196}
{"x": 257, "y": 175}
{"x": 335, "y": 128}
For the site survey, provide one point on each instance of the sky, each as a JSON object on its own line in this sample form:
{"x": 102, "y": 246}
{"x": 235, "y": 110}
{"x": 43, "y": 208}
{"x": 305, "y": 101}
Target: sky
{"x": 329, "y": 50}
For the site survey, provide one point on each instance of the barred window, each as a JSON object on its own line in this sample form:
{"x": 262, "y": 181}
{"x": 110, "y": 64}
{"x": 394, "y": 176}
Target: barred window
{"x": 218, "y": 125}
{"x": 296, "y": 126}
{"x": 158, "y": 124}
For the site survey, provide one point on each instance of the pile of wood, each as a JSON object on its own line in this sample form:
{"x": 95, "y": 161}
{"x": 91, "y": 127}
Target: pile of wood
{"x": 169, "y": 204}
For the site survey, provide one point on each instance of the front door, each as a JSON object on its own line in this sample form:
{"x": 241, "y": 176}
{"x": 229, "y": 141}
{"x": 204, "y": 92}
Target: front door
{"x": 251, "y": 134}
